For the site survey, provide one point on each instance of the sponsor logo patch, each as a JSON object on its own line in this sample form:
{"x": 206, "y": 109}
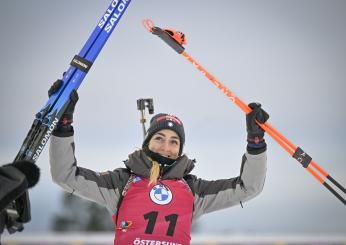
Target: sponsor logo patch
{"x": 161, "y": 195}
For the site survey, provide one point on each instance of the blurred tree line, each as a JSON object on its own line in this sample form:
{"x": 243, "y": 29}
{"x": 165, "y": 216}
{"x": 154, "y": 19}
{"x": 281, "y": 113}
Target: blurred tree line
{"x": 81, "y": 215}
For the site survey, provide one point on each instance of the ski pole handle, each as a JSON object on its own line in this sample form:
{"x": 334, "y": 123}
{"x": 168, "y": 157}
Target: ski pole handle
{"x": 149, "y": 25}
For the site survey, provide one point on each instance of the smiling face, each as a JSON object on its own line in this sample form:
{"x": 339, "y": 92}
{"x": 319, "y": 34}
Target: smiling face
{"x": 165, "y": 142}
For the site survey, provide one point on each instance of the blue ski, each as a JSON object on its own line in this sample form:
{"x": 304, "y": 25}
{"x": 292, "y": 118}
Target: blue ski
{"x": 47, "y": 118}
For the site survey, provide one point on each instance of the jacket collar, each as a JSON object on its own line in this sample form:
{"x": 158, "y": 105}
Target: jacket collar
{"x": 140, "y": 164}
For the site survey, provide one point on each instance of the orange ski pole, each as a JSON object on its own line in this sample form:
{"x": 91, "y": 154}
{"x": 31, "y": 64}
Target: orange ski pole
{"x": 176, "y": 39}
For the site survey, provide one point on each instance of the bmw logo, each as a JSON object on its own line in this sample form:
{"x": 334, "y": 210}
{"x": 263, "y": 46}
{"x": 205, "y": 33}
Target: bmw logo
{"x": 161, "y": 195}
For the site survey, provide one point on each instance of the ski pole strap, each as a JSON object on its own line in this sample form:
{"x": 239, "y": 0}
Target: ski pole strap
{"x": 81, "y": 63}
{"x": 168, "y": 39}
{"x": 302, "y": 157}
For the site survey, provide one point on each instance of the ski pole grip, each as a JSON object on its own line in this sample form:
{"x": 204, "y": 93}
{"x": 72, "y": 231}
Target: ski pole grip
{"x": 168, "y": 39}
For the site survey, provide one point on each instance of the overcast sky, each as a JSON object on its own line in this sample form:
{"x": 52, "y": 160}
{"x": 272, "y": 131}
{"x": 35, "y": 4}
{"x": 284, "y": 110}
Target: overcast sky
{"x": 288, "y": 55}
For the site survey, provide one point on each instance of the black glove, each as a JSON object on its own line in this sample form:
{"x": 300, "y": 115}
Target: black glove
{"x": 15, "y": 179}
{"x": 29, "y": 169}
{"x": 255, "y": 133}
{"x": 64, "y": 127}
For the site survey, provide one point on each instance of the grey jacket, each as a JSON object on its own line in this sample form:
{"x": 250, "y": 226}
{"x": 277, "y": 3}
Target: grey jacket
{"x": 103, "y": 188}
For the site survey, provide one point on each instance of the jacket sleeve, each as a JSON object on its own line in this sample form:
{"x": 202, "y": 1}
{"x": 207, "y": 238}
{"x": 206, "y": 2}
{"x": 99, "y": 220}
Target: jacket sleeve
{"x": 223, "y": 193}
{"x": 102, "y": 188}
